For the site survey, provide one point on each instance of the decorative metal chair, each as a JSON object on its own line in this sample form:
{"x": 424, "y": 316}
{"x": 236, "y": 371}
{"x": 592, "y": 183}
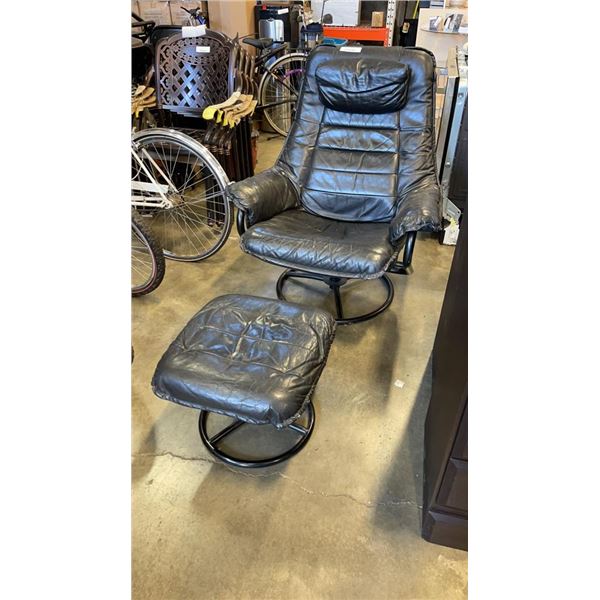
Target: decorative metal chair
{"x": 193, "y": 73}
{"x": 356, "y": 178}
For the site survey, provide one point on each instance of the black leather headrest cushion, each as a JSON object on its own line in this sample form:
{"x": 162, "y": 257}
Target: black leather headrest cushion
{"x": 363, "y": 85}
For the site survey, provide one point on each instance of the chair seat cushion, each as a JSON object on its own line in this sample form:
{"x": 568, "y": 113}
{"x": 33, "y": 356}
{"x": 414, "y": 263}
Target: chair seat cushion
{"x": 251, "y": 358}
{"x": 301, "y": 240}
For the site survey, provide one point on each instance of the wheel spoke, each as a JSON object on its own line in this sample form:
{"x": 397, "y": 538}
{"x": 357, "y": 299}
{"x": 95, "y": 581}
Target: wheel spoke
{"x": 141, "y": 262}
{"x": 199, "y": 220}
{"x": 279, "y": 92}
{"x": 147, "y": 262}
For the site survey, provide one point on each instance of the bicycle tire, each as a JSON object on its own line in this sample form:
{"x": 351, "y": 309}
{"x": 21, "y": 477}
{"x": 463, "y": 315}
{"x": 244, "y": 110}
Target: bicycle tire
{"x": 199, "y": 220}
{"x": 146, "y": 256}
{"x": 280, "y": 117}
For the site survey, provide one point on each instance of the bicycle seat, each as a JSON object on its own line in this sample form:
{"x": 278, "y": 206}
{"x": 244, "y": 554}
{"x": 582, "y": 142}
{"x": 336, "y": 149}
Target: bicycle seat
{"x": 260, "y": 44}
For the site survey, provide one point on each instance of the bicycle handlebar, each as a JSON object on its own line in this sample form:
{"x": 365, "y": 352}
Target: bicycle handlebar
{"x": 195, "y": 12}
{"x": 144, "y": 24}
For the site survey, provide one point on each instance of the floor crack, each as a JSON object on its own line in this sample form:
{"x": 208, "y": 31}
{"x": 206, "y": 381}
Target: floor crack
{"x": 367, "y": 503}
{"x": 173, "y": 455}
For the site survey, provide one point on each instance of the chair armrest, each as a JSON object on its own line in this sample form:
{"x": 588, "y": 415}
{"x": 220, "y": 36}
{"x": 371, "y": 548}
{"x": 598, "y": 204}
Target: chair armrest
{"x": 419, "y": 209}
{"x": 264, "y": 195}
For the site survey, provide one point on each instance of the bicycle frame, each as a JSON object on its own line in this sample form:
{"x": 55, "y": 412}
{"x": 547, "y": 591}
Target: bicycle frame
{"x": 159, "y": 199}
{"x": 282, "y": 81}
{"x": 280, "y": 102}
{"x": 263, "y": 58}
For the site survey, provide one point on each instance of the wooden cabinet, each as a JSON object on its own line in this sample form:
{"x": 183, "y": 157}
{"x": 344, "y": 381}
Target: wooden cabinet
{"x": 445, "y": 507}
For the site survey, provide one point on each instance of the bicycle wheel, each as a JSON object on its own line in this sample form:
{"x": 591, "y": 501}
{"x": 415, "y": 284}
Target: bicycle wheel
{"x": 178, "y": 187}
{"x": 147, "y": 260}
{"x": 279, "y": 88}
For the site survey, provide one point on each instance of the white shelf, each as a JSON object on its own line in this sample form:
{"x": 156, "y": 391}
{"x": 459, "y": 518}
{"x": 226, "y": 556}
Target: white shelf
{"x": 446, "y": 32}
{"x": 440, "y": 44}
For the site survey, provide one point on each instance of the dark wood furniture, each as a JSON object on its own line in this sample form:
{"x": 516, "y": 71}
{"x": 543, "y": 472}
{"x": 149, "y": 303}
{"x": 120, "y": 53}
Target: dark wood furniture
{"x": 446, "y": 458}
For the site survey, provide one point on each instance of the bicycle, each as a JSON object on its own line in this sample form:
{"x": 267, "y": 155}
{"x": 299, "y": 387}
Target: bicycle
{"x": 177, "y": 185}
{"x": 280, "y": 79}
{"x": 147, "y": 260}
{"x": 196, "y": 16}
{"x": 279, "y": 84}
{"x": 178, "y": 190}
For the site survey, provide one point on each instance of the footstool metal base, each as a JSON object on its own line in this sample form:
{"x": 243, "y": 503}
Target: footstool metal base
{"x": 212, "y": 443}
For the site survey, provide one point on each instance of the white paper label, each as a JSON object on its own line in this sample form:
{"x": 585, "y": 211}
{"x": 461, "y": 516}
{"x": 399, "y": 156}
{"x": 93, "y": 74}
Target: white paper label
{"x": 283, "y": 11}
{"x": 351, "y": 49}
{"x": 203, "y": 49}
{"x": 195, "y": 31}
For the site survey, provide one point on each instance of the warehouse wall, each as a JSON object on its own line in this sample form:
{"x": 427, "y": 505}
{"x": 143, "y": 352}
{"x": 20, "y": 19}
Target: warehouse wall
{"x": 232, "y": 16}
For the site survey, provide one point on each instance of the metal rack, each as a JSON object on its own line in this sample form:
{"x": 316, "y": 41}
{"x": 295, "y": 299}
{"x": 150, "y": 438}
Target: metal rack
{"x": 364, "y": 33}
{"x": 455, "y": 97}
{"x": 451, "y": 151}
{"x": 390, "y": 21}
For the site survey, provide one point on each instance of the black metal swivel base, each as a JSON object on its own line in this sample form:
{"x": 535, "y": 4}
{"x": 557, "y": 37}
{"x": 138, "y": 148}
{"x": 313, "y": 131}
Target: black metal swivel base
{"x": 212, "y": 443}
{"x": 335, "y": 283}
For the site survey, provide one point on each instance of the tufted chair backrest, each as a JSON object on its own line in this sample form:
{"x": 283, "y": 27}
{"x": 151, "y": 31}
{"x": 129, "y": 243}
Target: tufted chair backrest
{"x": 363, "y": 135}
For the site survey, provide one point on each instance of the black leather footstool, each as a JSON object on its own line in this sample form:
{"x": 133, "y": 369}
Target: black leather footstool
{"x": 253, "y": 359}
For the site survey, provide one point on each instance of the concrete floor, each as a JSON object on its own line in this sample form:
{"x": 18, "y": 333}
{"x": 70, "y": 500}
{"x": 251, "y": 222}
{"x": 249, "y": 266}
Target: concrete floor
{"x": 341, "y": 519}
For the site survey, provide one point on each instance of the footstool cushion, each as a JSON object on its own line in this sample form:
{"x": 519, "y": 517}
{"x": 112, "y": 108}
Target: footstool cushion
{"x": 251, "y": 358}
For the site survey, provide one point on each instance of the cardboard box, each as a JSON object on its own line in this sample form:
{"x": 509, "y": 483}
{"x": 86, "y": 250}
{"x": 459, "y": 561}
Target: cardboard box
{"x": 377, "y": 19}
{"x": 154, "y": 10}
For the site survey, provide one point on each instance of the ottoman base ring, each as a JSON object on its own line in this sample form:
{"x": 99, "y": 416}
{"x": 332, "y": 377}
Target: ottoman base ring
{"x": 212, "y": 443}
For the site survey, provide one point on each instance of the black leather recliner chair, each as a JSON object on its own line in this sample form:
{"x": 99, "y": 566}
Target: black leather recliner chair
{"x": 356, "y": 178}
